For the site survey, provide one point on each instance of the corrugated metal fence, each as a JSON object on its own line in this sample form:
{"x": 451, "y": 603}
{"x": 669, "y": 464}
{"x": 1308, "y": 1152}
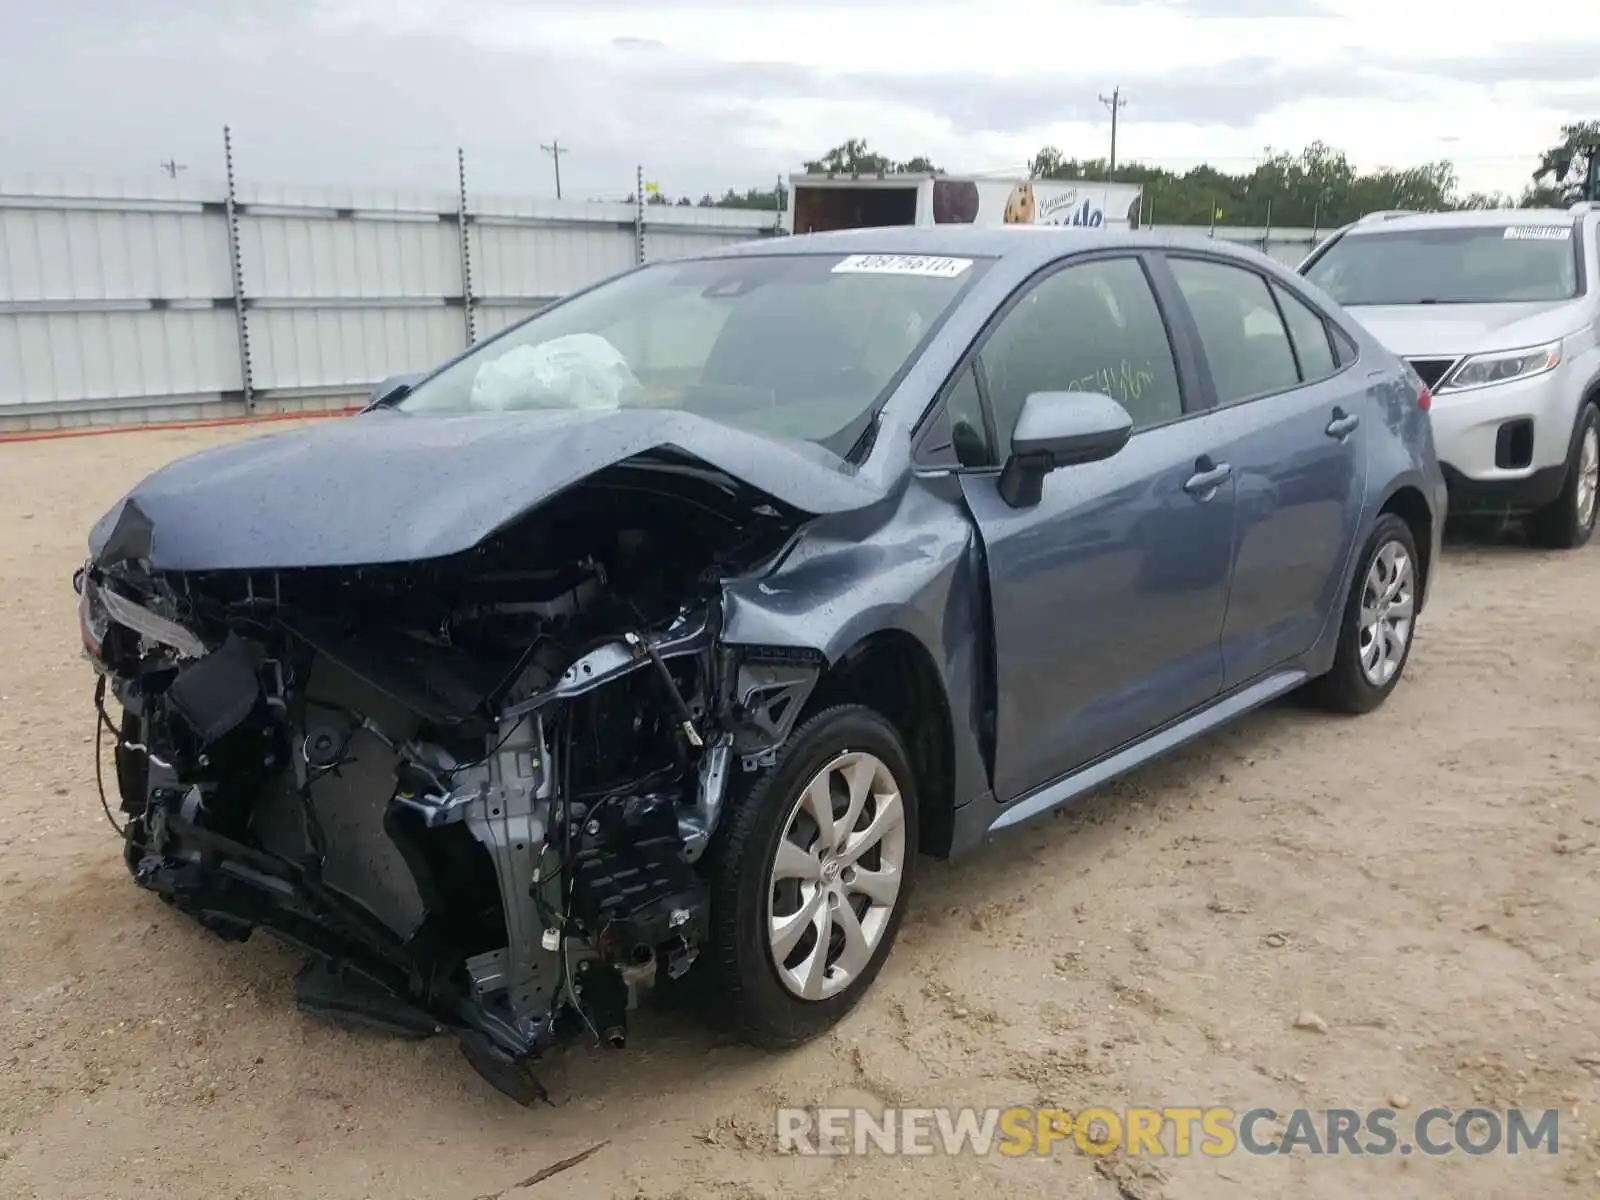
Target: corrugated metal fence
{"x": 160, "y": 302}
{"x": 124, "y": 304}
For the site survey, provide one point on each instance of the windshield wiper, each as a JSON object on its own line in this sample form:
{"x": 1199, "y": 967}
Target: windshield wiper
{"x": 862, "y": 446}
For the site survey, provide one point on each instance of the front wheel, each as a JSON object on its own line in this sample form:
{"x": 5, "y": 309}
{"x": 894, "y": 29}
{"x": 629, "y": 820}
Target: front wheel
{"x": 811, "y": 881}
{"x": 1568, "y": 521}
{"x": 1378, "y": 623}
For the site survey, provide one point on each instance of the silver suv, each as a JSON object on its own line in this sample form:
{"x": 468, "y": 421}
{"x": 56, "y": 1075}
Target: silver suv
{"x": 1498, "y": 312}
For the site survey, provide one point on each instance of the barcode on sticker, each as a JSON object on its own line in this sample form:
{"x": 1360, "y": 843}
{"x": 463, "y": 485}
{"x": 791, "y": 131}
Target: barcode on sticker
{"x": 1539, "y": 233}
{"x": 902, "y": 264}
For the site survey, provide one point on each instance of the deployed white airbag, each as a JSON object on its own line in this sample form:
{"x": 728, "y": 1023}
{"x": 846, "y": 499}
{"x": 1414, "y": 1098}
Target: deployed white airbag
{"x": 581, "y": 370}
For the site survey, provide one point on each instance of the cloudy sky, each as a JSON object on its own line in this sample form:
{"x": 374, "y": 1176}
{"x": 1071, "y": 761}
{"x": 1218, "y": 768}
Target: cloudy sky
{"x": 708, "y": 94}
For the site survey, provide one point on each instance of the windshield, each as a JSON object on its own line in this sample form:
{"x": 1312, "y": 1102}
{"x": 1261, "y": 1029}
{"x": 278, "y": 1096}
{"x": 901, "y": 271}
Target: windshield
{"x": 1480, "y": 264}
{"x": 798, "y": 346}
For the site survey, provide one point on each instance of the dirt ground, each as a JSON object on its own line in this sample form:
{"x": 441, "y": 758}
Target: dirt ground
{"x": 1423, "y": 880}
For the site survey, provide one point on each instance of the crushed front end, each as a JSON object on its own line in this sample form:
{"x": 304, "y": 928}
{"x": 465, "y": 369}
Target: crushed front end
{"x": 478, "y": 790}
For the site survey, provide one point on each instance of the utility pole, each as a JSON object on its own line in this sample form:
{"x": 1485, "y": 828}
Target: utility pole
{"x": 171, "y": 167}
{"x": 1114, "y": 102}
{"x": 554, "y": 151}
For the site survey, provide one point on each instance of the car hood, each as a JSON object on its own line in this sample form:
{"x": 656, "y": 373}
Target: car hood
{"x": 386, "y": 487}
{"x": 1451, "y": 330}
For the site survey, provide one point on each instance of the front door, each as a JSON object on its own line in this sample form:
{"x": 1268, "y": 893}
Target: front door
{"x": 1108, "y": 595}
{"x": 1291, "y": 422}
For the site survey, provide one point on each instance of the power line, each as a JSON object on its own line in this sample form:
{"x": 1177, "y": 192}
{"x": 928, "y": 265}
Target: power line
{"x": 554, "y": 151}
{"x": 1114, "y": 102}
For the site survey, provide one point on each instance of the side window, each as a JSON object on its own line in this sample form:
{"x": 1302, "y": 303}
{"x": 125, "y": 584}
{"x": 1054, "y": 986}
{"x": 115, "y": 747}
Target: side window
{"x": 1346, "y": 348}
{"x": 1094, "y": 327}
{"x": 1245, "y": 342}
{"x": 1310, "y": 335}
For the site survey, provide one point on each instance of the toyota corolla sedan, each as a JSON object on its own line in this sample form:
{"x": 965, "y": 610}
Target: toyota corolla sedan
{"x": 661, "y": 632}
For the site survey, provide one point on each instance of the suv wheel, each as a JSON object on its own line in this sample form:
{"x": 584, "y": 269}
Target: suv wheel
{"x": 1568, "y": 521}
{"x": 811, "y": 882}
{"x": 1379, "y": 622}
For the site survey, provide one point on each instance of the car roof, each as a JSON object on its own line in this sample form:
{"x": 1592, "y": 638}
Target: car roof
{"x": 1024, "y": 246}
{"x": 1476, "y": 218}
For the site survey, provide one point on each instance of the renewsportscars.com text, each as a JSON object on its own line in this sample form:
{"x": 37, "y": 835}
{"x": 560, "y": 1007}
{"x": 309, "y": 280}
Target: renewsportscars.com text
{"x": 1167, "y": 1131}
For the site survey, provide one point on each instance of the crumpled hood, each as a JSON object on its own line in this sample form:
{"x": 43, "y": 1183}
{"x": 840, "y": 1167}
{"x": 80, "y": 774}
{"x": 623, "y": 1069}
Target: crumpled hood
{"x": 1450, "y": 330}
{"x": 385, "y": 487}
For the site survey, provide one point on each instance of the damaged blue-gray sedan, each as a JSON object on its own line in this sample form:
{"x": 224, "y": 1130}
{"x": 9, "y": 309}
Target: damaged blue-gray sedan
{"x": 662, "y": 631}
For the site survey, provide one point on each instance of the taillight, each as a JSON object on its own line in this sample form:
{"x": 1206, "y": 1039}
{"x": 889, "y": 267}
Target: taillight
{"x": 1424, "y": 398}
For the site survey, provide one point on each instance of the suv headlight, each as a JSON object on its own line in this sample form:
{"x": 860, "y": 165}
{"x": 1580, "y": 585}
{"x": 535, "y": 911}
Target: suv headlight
{"x": 1502, "y": 366}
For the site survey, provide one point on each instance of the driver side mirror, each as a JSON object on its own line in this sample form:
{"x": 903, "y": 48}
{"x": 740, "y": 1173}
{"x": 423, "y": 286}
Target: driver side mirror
{"x": 1060, "y": 429}
{"x": 391, "y": 390}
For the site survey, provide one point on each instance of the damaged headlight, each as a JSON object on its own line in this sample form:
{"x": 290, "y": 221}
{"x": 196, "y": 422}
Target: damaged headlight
{"x": 93, "y": 623}
{"x": 149, "y": 625}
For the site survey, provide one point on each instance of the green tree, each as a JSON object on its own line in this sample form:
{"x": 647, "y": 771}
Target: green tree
{"x": 761, "y": 199}
{"x": 1564, "y": 168}
{"x": 1475, "y": 200}
{"x": 1317, "y": 186}
{"x": 853, "y": 158}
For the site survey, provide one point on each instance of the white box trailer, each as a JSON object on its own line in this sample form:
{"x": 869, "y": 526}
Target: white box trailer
{"x": 820, "y": 203}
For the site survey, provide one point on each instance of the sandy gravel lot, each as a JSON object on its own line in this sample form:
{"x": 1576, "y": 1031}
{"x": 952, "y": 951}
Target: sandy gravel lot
{"x": 1424, "y": 880}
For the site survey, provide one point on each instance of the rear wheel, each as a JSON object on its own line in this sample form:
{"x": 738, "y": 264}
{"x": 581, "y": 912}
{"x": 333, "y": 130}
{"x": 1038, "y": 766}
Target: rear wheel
{"x": 811, "y": 882}
{"x": 1568, "y": 522}
{"x": 1378, "y": 624}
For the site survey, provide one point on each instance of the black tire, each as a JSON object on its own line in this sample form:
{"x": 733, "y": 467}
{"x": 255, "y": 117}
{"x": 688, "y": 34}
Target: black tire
{"x": 744, "y": 976}
{"x": 1346, "y": 688}
{"x": 1558, "y": 526}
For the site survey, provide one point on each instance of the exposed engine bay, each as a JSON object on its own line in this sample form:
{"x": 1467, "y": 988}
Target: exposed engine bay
{"x": 479, "y": 789}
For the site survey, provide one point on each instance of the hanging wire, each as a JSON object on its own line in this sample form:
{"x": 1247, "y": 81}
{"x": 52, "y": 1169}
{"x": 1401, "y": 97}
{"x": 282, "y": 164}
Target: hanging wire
{"x": 102, "y": 723}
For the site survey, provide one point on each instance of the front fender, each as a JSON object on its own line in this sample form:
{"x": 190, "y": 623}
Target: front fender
{"x": 909, "y": 565}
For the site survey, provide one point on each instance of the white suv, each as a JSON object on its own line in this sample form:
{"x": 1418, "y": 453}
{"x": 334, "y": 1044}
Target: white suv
{"x": 1498, "y": 311}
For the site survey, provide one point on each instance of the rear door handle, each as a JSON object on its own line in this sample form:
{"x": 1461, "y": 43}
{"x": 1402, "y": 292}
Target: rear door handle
{"x": 1341, "y": 426}
{"x": 1206, "y": 480}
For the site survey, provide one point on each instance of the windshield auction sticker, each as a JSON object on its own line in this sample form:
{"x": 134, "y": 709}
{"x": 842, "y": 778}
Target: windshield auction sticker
{"x": 1539, "y": 233}
{"x": 902, "y": 264}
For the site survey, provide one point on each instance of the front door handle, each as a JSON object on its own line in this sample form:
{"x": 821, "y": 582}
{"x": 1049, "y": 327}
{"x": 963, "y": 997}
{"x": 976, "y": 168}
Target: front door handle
{"x": 1341, "y": 426}
{"x": 1207, "y": 478}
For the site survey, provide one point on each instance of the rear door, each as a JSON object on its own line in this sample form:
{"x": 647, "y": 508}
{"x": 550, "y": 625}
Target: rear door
{"x": 1293, "y": 422}
{"x": 1108, "y": 595}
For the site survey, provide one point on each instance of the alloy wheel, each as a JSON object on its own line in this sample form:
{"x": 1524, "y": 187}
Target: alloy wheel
{"x": 1588, "y": 477}
{"x": 836, "y": 876}
{"x": 1388, "y": 606}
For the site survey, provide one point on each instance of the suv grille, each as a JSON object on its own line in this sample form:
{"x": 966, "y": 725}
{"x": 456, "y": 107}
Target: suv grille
{"x": 1432, "y": 370}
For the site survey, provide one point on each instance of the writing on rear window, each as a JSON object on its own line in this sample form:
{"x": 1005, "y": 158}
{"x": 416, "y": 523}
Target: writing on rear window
{"x": 902, "y": 264}
{"x": 1538, "y": 233}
